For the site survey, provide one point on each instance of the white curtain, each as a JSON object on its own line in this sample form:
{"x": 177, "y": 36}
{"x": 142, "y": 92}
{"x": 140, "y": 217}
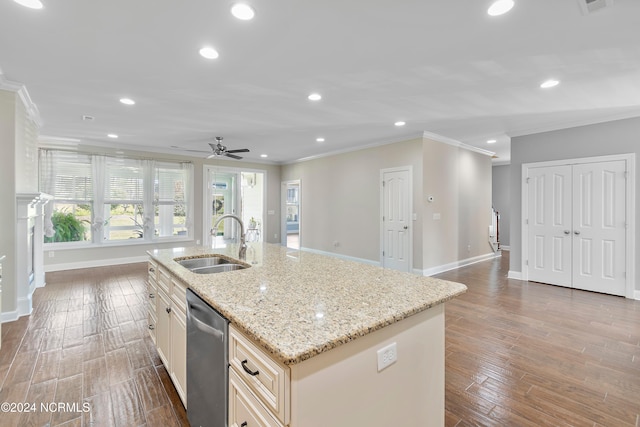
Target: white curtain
{"x": 98, "y": 165}
{"x": 48, "y": 185}
{"x": 148, "y": 225}
{"x": 188, "y": 196}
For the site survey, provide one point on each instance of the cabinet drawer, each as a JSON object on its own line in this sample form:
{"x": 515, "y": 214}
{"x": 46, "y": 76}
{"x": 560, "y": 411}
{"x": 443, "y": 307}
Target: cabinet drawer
{"x": 152, "y": 293}
{"x": 268, "y": 379}
{"x": 179, "y": 295}
{"x": 151, "y": 320}
{"x": 164, "y": 280}
{"x": 152, "y": 268}
{"x": 244, "y": 407}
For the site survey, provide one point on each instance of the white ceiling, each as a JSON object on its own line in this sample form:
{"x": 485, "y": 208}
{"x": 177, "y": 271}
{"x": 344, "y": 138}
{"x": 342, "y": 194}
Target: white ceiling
{"x": 443, "y": 66}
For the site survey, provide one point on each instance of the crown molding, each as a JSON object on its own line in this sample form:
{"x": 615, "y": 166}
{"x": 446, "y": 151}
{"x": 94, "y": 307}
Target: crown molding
{"x": 23, "y": 94}
{"x": 439, "y": 138}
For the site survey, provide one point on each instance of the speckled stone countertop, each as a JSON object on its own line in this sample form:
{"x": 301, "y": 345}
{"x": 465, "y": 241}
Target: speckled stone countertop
{"x": 299, "y": 304}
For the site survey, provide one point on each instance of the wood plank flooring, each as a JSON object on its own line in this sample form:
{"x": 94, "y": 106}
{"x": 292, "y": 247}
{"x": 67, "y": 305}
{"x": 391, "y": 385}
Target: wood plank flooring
{"x": 517, "y": 354}
{"x": 528, "y": 354}
{"x": 87, "y": 344}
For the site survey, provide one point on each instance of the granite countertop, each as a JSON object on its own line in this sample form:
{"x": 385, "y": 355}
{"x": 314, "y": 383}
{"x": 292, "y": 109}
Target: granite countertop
{"x": 299, "y": 304}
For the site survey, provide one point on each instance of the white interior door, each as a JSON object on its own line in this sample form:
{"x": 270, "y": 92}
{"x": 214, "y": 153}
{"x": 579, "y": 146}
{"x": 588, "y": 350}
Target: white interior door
{"x": 396, "y": 219}
{"x": 577, "y": 226}
{"x": 550, "y": 225}
{"x": 599, "y": 227}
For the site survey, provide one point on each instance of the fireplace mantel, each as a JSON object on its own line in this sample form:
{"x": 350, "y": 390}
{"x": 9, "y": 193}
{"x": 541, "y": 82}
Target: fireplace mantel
{"x": 29, "y": 252}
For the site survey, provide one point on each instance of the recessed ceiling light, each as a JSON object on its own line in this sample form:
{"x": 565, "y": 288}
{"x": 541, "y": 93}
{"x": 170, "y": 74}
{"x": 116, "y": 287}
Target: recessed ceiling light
{"x": 315, "y": 97}
{"x": 319, "y": 139}
{"x": 112, "y": 135}
{"x": 263, "y": 155}
{"x": 400, "y": 123}
{"x": 127, "y": 101}
{"x": 549, "y": 83}
{"x": 31, "y": 4}
{"x": 491, "y": 141}
{"x": 243, "y": 11}
{"x": 500, "y": 7}
{"x": 209, "y": 52}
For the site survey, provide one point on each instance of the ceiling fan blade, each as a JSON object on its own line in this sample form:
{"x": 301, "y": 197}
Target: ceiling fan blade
{"x": 233, "y": 156}
{"x": 240, "y": 150}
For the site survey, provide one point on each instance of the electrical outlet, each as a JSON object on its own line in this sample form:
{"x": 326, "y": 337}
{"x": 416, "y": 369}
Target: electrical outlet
{"x": 387, "y": 356}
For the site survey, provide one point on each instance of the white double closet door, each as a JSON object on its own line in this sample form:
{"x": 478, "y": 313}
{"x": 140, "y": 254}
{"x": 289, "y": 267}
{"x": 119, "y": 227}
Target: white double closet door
{"x": 577, "y": 226}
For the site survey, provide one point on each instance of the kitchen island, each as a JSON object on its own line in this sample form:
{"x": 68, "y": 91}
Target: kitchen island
{"x": 348, "y": 343}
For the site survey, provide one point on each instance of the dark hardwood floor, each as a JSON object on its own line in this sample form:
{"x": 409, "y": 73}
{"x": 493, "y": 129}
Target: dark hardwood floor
{"x": 518, "y": 354}
{"x": 528, "y": 354}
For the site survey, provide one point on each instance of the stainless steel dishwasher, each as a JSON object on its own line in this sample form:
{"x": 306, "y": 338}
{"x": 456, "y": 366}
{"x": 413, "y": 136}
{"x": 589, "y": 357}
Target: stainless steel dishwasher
{"x": 207, "y": 364}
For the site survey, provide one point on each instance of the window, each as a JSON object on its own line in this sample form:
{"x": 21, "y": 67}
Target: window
{"x": 101, "y": 199}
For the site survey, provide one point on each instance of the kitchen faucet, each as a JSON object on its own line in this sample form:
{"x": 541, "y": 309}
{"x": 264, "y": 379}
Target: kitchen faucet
{"x": 243, "y": 245}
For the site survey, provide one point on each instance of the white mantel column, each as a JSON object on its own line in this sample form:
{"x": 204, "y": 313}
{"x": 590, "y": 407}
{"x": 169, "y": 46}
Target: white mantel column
{"x": 29, "y": 249}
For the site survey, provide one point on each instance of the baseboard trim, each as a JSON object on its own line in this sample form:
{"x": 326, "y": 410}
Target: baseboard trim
{"x": 517, "y": 275}
{"x": 93, "y": 263}
{"x": 340, "y": 256}
{"x": 505, "y": 248}
{"x": 24, "y": 309}
{"x": 458, "y": 264}
{"x": 636, "y": 295}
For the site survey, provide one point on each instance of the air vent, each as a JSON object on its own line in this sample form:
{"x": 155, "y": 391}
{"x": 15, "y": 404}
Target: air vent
{"x": 590, "y": 6}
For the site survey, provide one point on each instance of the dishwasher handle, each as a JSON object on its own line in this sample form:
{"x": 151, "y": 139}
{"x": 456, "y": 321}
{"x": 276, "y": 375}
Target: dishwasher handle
{"x": 203, "y": 326}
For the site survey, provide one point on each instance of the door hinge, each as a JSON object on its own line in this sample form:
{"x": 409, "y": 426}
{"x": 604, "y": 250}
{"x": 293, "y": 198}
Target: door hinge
{"x": 383, "y": 183}
{"x": 383, "y": 218}
{"x": 526, "y": 221}
{"x": 626, "y": 174}
{"x": 526, "y": 262}
{"x": 528, "y": 180}
{"x": 382, "y": 253}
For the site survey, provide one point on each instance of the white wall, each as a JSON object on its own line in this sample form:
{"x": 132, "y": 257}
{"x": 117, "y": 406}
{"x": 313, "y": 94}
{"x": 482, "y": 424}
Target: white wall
{"x": 616, "y": 137}
{"x": 501, "y": 196}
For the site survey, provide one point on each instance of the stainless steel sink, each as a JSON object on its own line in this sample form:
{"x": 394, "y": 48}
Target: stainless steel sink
{"x": 220, "y": 268}
{"x": 210, "y": 265}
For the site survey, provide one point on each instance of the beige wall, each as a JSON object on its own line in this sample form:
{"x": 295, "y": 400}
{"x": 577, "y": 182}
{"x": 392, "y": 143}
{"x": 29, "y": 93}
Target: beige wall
{"x": 8, "y": 199}
{"x": 459, "y": 180}
{"x": 26, "y": 151}
{"x": 341, "y": 198}
{"x": 106, "y": 255}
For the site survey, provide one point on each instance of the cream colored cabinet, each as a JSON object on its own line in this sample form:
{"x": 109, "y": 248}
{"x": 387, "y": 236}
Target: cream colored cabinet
{"x": 259, "y": 386}
{"x": 167, "y": 308}
{"x": 152, "y": 292}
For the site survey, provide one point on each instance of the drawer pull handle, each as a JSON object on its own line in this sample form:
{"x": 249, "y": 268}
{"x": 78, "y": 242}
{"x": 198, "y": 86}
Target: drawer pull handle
{"x": 151, "y": 327}
{"x": 168, "y": 310}
{"x": 244, "y": 424}
{"x": 247, "y": 370}
{"x": 152, "y": 270}
{"x": 152, "y": 296}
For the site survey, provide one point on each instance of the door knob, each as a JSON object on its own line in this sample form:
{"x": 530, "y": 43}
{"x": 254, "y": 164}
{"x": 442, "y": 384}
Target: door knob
{"x": 567, "y": 232}
{"x": 576, "y": 232}
{"x": 405, "y": 227}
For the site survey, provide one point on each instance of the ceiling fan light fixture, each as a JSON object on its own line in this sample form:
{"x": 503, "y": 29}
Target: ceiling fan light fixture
{"x": 31, "y": 4}
{"x": 243, "y": 11}
{"x": 500, "y": 7}
{"x": 549, "y": 84}
{"x": 209, "y": 53}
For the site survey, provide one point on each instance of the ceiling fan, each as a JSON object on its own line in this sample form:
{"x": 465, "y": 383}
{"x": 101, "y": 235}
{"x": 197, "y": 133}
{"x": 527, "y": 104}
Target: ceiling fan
{"x": 218, "y": 150}
{"x": 221, "y": 150}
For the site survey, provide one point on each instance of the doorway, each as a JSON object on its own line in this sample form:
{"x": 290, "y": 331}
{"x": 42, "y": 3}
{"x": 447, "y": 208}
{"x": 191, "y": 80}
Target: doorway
{"x": 396, "y": 227}
{"x": 237, "y": 192}
{"x": 291, "y": 210}
{"x": 578, "y": 222}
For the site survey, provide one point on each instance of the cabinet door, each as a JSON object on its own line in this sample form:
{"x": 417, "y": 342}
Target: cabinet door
{"x": 245, "y": 410}
{"x": 178, "y": 371}
{"x": 163, "y": 327}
